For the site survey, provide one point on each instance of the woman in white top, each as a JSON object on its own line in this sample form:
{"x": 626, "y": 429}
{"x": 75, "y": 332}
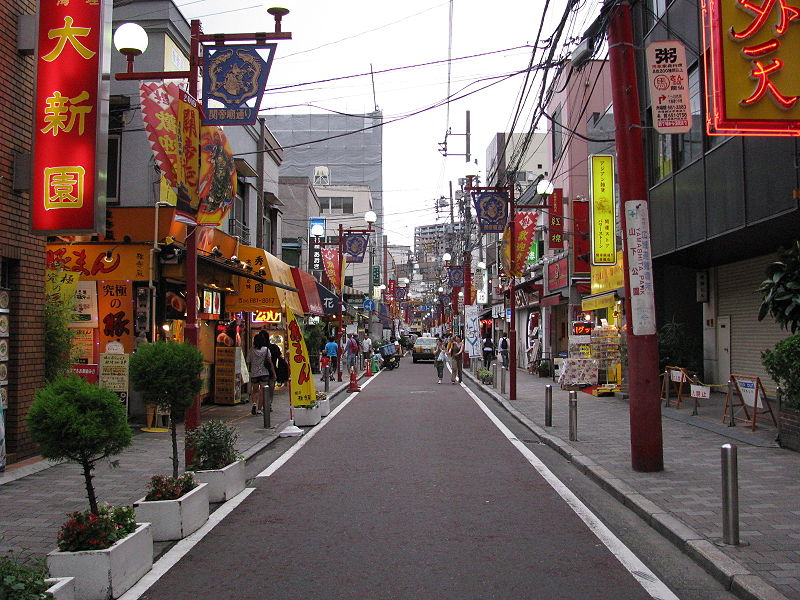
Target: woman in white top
{"x": 261, "y": 369}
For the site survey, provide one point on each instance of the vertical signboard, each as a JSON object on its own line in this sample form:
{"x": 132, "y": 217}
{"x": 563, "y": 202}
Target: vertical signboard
{"x": 640, "y": 268}
{"x": 752, "y": 67}
{"x": 472, "y": 331}
{"x": 115, "y": 312}
{"x": 302, "y": 382}
{"x": 315, "y": 255}
{"x": 70, "y": 133}
{"x": 603, "y": 209}
{"x": 580, "y": 239}
{"x": 555, "y": 228}
{"x": 669, "y": 87}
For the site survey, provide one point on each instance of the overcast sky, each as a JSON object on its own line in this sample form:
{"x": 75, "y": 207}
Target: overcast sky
{"x": 341, "y": 38}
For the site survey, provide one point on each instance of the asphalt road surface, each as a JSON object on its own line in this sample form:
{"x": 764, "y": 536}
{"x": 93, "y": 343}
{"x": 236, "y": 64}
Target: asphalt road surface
{"x": 409, "y": 490}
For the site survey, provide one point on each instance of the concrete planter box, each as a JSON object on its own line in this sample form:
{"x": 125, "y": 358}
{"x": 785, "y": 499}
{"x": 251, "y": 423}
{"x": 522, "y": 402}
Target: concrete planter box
{"x": 109, "y": 573}
{"x": 789, "y": 428}
{"x": 306, "y": 417}
{"x": 225, "y": 483}
{"x": 61, "y": 588}
{"x": 175, "y": 519}
{"x": 324, "y": 407}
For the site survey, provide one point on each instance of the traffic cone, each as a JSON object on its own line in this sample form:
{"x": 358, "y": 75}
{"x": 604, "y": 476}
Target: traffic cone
{"x": 368, "y": 372}
{"x": 353, "y": 383}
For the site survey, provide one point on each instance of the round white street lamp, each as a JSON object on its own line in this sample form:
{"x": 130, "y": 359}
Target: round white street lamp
{"x": 370, "y": 217}
{"x": 130, "y": 39}
{"x": 317, "y": 230}
{"x": 481, "y": 265}
{"x": 446, "y": 257}
{"x": 544, "y": 187}
{"x": 441, "y": 289}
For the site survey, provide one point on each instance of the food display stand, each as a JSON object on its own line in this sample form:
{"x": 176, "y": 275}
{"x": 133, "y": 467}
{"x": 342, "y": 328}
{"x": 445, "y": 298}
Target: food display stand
{"x": 606, "y": 349}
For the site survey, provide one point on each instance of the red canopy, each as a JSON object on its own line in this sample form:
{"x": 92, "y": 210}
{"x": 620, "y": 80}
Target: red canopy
{"x": 307, "y": 289}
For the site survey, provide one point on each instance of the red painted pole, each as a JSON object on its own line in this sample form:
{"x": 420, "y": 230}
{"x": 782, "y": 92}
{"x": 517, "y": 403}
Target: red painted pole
{"x": 512, "y": 331}
{"x": 467, "y": 300}
{"x": 647, "y": 454}
{"x": 340, "y": 283}
{"x": 191, "y": 418}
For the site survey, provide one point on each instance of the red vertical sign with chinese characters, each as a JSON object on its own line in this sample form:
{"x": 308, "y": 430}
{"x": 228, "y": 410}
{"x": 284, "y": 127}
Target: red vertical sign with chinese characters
{"x": 555, "y": 227}
{"x": 70, "y": 133}
{"x": 115, "y": 314}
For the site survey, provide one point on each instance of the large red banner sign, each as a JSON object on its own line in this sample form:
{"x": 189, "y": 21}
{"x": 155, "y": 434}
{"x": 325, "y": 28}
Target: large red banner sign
{"x": 70, "y": 118}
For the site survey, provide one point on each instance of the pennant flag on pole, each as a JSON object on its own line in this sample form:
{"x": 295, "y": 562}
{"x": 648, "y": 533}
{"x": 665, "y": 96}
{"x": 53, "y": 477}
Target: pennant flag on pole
{"x": 302, "y": 382}
{"x": 330, "y": 260}
{"x": 524, "y": 228}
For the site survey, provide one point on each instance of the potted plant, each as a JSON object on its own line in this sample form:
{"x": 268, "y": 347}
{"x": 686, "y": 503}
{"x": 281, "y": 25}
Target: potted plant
{"x": 19, "y": 581}
{"x": 168, "y": 375}
{"x": 782, "y": 362}
{"x": 216, "y": 461}
{"x": 174, "y": 506}
{"x": 485, "y": 376}
{"x": 324, "y": 404}
{"x": 103, "y": 548}
{"x": 308, "y": 415}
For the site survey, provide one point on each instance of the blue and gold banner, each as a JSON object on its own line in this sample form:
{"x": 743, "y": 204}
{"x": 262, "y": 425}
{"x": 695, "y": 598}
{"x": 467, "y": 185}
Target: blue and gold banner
{"x": 354, "y": 246}
{"x": 491, "y": 209}
{"x": 234, "y": 77}
{"x": 456, "y": 275}
{"x": 400, "y": 294}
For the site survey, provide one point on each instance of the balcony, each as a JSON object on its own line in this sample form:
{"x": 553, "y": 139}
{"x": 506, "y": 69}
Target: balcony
{"x": 239, "y": 230}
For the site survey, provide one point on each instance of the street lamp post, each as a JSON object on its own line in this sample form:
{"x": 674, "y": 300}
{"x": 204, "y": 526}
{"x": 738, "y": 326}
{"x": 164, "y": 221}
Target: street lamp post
{"x": 369, "y": 217}
{"x": 130, "y": 39}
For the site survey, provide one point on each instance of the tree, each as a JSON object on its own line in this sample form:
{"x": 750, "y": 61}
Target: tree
{"x": 168, "y": 375}
{"x": 57, "y": 339}
{"x": 75, "y": 420}
{"x": 781, "y": 289}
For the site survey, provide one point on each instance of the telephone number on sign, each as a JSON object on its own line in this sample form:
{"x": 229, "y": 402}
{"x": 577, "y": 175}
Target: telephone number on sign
{"x": 673, "y": 123}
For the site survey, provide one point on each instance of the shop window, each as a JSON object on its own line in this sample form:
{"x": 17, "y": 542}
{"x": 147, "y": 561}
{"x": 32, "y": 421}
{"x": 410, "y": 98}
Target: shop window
{"x": 336, "y": 206}
{"x": 690, "y": 145}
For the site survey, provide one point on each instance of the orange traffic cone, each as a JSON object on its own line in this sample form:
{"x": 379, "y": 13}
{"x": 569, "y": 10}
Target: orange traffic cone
{"x": 368, "y": 372}
{"x": 353, "y": 383}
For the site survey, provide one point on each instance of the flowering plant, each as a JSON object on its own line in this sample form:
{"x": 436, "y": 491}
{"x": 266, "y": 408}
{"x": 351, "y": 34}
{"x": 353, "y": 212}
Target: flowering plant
{"x": 96, "y": 531}
{"x": 164, "y": 487}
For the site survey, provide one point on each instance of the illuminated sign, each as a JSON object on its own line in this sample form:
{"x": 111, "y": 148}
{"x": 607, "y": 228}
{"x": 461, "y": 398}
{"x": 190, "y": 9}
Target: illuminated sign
{"x": 266, "y": 316}
{"x": 555, "y": 229}
{"x": 603, "y": 210}
{"x": 97, "y": 262}
{"x": 70, "y": 131}
{"x": 582, "y": 328}
{"x": 752, "y": 67}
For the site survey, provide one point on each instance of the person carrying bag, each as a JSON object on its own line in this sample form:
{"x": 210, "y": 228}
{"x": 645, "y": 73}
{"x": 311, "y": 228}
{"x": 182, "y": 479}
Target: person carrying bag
{"x": 440, "y": 357}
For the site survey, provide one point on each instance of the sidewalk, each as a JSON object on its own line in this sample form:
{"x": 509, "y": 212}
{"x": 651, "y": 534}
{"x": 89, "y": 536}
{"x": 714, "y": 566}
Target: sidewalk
{"x": 683, "y": 502}
{"x": 36, "y": 495}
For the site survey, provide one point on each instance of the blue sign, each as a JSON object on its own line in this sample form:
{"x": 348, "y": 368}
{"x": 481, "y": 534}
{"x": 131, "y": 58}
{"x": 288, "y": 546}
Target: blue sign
{"x": 369, "y": 305}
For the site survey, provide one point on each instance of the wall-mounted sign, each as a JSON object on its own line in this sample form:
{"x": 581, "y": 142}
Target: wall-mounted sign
{"x": 70, "y": 132}
{"x": 92, "y": 261}
{"x": 669, "y": 87}
{"x": 640, "y": 268}
{"x": 603, "y": 209}
{"x": 753, "y": 68}
{"x": 555, "y": 228}
{"x": 267, "y": 316}
{"x": 557, "y": 274}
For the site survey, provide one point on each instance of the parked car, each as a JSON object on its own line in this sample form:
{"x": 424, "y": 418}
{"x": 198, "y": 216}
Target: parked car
{"x": 424, "y": 349}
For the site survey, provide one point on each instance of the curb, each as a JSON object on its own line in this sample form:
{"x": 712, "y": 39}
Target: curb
{"x": 731, "y": 574}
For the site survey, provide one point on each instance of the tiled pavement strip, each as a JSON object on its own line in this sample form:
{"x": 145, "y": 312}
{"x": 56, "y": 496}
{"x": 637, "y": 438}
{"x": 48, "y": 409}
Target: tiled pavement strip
{"x": 683, "y": 502}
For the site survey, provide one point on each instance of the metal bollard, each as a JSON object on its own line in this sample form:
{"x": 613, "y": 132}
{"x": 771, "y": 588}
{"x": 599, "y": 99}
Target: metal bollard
{"x": 573, "y": 416}
{"x": 326, "y": 372}
{"x": 494, "y": 375}
{"x": 268, "y": 403}
{"x": 503, "y": 381}
{"x": 730, "y": 495}
{"x": 548, "y": 405}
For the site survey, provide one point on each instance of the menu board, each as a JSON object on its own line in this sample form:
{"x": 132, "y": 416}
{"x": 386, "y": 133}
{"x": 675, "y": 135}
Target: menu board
{"x": 114, "y": 374}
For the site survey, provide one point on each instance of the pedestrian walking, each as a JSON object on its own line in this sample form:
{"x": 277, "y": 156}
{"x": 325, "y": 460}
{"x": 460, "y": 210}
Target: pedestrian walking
{"x": 504, "y": 345}
{"x": 456, "y": 359}
{"x": 366, "y": 347}
{"x": 261, "y": 370}
{"x": 350, "y": 352}
{"x": 332, "y": 348}
{"x": 488, "y": 351}
{"x": 440, "y": 356}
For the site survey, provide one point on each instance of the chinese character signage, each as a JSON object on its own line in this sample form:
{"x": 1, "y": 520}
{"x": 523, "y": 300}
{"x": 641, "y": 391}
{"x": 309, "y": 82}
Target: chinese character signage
{"x": 580, "y": 239}
{"x": 115, "y": 313}
{"x": 753, "y": 67}
{"x": 330, "y": 259}
{"x": 557, "y": 275}
{"x": 524, "y": 229}
{"x": 235, "y": 78}
{"x": 555, "y": 227}
{"x": 603, "y": 209}
{"x": 302, "y": 382}
{"x": 491, "y": 209}
{"x": 640, "y": 268}
{"x": 669, "y": 87}
{"x": 70, "y": 132}
{"x": 90, "y": 261}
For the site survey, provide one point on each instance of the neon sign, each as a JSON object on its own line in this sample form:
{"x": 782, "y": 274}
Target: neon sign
{"x": 752, "y": 67}
{"x": 267, "y": 316}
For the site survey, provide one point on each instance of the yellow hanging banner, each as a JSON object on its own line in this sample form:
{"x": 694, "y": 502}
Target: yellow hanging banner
{"x": 302, "y": 382}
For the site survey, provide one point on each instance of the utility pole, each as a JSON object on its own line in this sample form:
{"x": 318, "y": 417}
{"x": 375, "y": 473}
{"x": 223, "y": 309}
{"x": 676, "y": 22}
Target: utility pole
{"x": 647, "y": 454}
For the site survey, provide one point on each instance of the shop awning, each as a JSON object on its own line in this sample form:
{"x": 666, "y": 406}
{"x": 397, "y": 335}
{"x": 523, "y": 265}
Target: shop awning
{"x": 271, "y": 291}
{"x": 598, "y": 301}
{"x": 307, "y": 288}
{"x": 282, "y": 273}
